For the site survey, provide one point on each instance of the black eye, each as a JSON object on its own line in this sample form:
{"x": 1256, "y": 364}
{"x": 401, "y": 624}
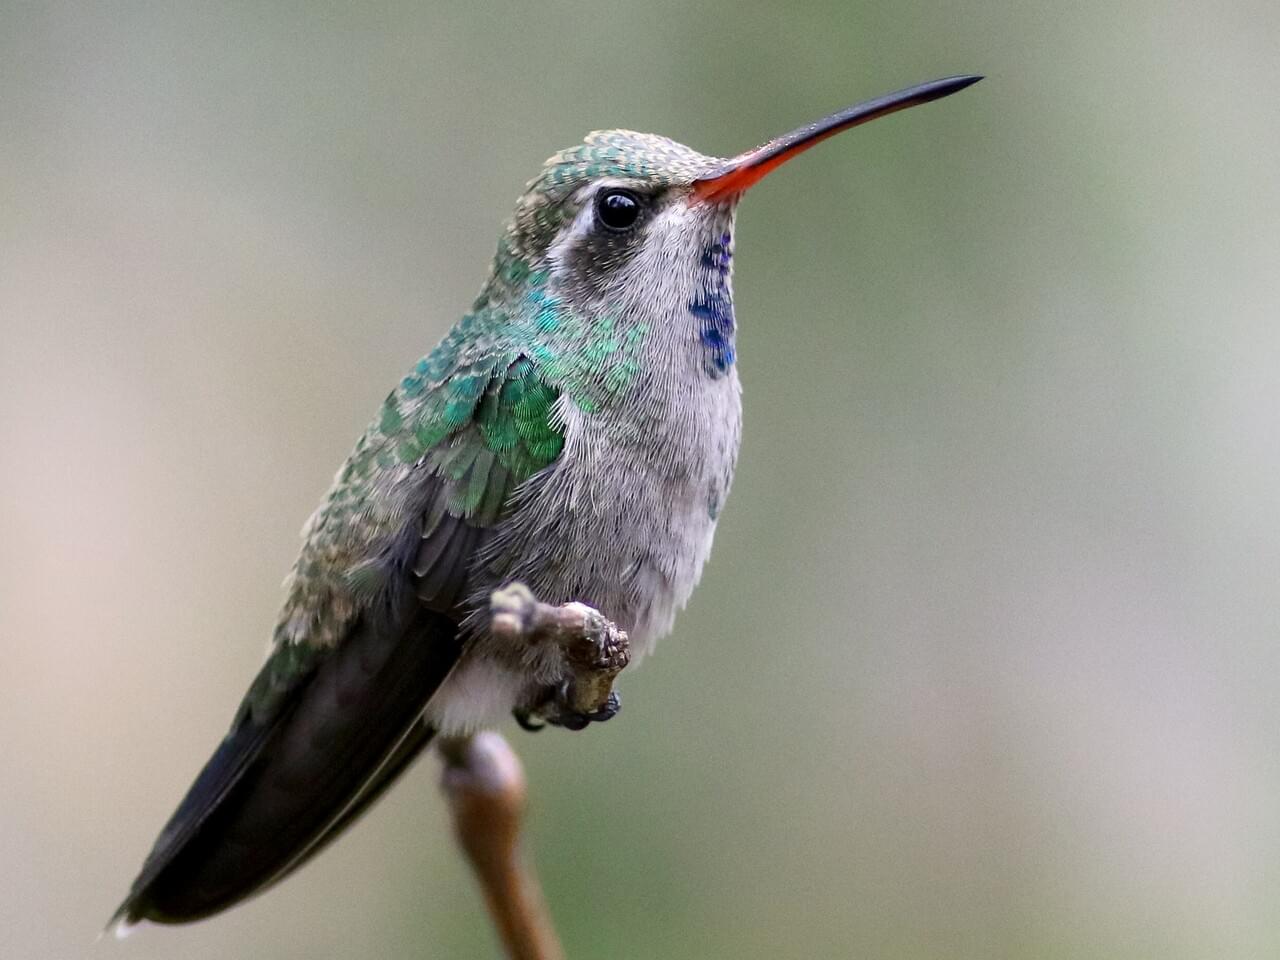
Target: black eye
{"x": 617, "y": 209}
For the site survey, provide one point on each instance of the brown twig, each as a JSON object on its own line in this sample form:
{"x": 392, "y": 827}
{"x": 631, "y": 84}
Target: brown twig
{"x": 485, "y": 783}
{"x": 486, "y": 788}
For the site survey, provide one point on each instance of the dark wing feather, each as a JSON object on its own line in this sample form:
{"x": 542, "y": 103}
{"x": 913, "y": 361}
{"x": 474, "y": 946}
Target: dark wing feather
{"x": 324, "y": 731}
{"x": 402, "y": 757}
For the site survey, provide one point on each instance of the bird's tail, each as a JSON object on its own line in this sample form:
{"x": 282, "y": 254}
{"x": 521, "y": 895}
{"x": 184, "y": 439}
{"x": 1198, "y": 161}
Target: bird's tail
{"x": 279, "y": 789}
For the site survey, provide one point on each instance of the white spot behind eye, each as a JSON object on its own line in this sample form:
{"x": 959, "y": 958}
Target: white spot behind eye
{"x": 583, "y": 220}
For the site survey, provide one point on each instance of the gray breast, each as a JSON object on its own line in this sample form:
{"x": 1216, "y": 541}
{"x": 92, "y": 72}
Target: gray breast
{"x": 624, "y": 520}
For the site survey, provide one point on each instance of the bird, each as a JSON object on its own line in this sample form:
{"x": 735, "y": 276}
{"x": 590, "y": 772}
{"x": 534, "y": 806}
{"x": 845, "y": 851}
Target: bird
{"x": 575, "y": 431}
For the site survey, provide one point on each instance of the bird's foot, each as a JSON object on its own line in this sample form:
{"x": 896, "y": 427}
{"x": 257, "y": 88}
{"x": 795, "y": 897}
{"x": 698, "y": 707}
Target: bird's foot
{"x": 595, "y": 652}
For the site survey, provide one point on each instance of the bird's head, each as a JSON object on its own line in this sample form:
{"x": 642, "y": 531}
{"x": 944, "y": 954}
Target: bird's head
{"x": 636, "y": 226}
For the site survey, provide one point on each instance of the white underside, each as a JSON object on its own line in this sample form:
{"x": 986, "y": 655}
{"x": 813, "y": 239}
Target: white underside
{"x": 478, "y": 694}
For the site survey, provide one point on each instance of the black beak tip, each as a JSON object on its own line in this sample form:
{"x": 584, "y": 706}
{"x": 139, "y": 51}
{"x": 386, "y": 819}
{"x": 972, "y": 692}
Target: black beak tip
{"x": 955, "y": 84}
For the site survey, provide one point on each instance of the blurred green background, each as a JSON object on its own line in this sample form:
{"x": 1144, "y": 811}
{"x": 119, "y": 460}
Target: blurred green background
{"x": 985, "y": 662}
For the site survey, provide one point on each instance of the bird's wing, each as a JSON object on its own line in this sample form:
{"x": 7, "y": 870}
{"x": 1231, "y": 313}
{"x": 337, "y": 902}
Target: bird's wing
{"x": 326, "y": 726}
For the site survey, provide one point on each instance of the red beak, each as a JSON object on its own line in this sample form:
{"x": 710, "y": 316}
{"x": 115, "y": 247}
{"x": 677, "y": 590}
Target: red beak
{"x": 742, "y": 171}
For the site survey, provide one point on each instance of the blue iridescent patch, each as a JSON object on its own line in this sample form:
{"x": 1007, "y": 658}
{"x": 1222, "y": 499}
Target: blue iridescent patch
{"x": 713, "y": 306}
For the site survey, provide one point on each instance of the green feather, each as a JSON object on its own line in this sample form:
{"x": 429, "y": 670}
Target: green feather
{"x": 507, "y": 436}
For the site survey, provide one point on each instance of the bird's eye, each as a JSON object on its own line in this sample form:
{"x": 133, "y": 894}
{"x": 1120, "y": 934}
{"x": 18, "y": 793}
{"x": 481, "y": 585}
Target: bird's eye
{"x": 617, "y": 209}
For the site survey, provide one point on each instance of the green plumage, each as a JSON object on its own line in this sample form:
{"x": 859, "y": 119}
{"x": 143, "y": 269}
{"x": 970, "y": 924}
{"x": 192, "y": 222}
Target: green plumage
{"x": 471, "y": 422}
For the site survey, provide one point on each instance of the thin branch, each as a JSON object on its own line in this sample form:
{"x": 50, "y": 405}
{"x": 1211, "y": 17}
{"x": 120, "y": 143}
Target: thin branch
{"x": 486, "y": 788}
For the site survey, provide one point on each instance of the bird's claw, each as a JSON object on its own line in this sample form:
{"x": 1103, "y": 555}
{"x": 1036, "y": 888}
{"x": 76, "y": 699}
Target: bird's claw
{"x": 528, "y": 720}
{"x": 595, "y": 651}
{"x": 571, "y": 720}
{"x": 556, "y": 710}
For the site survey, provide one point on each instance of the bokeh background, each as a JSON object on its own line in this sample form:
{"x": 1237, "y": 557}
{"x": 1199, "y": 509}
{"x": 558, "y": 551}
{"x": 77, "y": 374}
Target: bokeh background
{"x": 985, "y": 663}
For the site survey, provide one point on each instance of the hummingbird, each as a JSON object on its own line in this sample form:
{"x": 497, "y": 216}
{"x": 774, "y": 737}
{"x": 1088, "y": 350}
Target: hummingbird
{"x": 575, "y": 431}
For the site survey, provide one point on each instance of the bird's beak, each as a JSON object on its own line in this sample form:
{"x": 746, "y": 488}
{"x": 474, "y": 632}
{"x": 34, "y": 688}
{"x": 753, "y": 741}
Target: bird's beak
{"x": 736, "y": 175}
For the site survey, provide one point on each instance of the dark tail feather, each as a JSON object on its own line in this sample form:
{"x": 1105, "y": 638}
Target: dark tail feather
{"x": 274, "y": 795}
